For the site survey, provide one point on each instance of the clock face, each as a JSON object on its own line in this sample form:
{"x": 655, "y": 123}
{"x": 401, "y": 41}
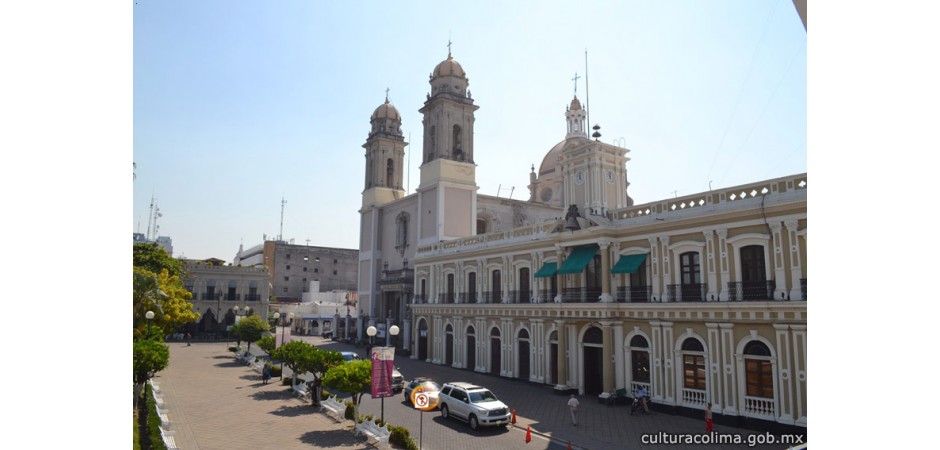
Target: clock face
{"x": 579, "y": 177}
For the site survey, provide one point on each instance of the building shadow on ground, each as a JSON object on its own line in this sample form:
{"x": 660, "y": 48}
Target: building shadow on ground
{"x": 462, "y": 427}
{"x": 294, "y": 411}
{"x": 278, "y": 394}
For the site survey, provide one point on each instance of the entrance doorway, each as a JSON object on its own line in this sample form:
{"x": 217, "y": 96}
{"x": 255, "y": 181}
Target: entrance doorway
{"x": 593, "y": 362}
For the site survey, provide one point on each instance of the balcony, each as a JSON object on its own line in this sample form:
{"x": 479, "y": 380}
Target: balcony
{"x": 803, "y": 288}
{"x": 252, "y": 297}
{"x": 420, "y": 298}
{"x": 760, "y": 291}
{"x": 686, "y": 292}
{"x": 492, "y": 297}
{"x": 580, "y": 295}
{"x": 448, "y": 297}
{"x": 211, "y": 295}
{"x": 634, "y": 294}
{"x": 547, "y": 295}
{"x": 467, "y": 297}
{"x": 231, "y": 297}
{"x": 520, "y": 297}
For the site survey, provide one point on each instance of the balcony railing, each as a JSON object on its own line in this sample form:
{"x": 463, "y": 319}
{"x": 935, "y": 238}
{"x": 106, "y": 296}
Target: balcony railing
{"x": 211, "y": 295}
{"x": 751, "y": 290}
{"x": 634, "y": 294}
{"x": 803, "y": 287}
{"x": 420, "y": 298}
{"x": 492, "y": 297}
{"x": 520, "y": 297}
{"x": 759, "y": 407}
{"x": 686, "y": 292}
{"x": 693, "y": 397}
{"x": 547, "y": 295}
{"x": 580, "y": 295}
{"x": 448, "y": 297}
{"x": 467, "y": 297}
{"x": 231, "y": 297}
{"x": 252, "y": 297}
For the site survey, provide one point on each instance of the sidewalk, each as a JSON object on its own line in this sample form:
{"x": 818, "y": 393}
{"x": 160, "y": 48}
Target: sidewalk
{"x": 216, "y": 403}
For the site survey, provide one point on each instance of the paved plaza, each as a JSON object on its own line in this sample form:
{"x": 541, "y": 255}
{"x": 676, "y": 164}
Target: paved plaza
{"x": 216, "y": 402}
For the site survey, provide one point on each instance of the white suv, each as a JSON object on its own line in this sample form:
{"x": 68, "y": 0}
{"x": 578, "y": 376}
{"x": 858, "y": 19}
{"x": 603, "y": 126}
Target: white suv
{"x": 474, "y": 404}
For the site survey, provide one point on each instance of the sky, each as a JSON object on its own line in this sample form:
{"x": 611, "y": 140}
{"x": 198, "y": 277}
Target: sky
{"x": 240, "y": 105}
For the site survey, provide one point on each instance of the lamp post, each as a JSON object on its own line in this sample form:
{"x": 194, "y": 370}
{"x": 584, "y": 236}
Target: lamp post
{"x": 149, "y": 316}
{"x": 372, "y": 331}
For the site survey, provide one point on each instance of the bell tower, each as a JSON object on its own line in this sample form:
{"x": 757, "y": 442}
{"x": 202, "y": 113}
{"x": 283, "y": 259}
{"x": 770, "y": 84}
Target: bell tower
{"x": 385, "y": 155}
{"x": 447, "y": 192}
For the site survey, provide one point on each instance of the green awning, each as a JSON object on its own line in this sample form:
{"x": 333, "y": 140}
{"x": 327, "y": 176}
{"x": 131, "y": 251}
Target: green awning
{"x": 547, "y": 270}
{"x": 578, "y": 259}
{"x": 629, "y": 263}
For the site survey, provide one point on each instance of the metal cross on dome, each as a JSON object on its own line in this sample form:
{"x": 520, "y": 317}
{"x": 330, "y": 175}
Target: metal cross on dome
{"x": 575, "y": 79}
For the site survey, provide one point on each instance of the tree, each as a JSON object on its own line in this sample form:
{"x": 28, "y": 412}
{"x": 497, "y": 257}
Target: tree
{"x": 267, "y": 343}
{"x": 317, "y": 364}
{"x": 163, "y": 294}
{"x": 154, "y": 258}
{"x": 292, "y": 354}
{"x": 150, "y": 357}
{"x": 251, "y": 328}
{"x": 353, "y": 377}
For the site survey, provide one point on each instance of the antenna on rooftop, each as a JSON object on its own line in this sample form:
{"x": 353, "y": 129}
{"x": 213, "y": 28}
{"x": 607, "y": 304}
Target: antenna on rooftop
{"x": 280, "y": 234}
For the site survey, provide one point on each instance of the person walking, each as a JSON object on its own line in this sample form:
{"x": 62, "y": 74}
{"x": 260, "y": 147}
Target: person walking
{"x": 708, "y": 418}
{"x": 574, "y": 405}
{"x": 189, "y": 339}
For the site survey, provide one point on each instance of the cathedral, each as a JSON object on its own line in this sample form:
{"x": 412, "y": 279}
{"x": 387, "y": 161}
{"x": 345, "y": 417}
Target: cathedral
{"x": 697, "y": 299}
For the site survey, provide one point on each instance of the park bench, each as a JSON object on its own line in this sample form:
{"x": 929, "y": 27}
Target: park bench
{"x": 153, "y": 386}
{"x": 168, "y": 440}
{"x": 301, "y": 390}
{"x": 259, "y": 364}
{"x": 335, "y": 408}
{"x": 373, "y": 431}
{"x": 619, "y": 397}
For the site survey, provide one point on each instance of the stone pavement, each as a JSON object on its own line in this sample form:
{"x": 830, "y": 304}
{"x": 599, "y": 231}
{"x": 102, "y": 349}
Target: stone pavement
{"x": 216, "y": 403}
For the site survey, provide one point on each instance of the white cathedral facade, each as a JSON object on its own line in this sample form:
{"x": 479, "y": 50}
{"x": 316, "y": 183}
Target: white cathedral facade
{"x": 699, "y": 299}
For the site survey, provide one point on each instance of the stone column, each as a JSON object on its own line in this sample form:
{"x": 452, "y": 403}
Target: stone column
{"x": 713, "y": 366}
{"x": 607, "y": 362}
{"x": 711, "y": 267}
{"x": 618, "y": 348}
{"x": 668, "y": 381}
{"x": 799, "y": 372}
{"x": 656, "y": 360}
{"x": 783, "y": 373}
{"x": 562, "y": 375}
{"x": 796, "y": 270}
{"x": 605, "y": 272}
{"x": 723, "y": 264}
{"x": 781, "y": 289}
{"x": 655, "y": 276}
{"x": 560, "y": 251}
{"x": 729, "y": 400}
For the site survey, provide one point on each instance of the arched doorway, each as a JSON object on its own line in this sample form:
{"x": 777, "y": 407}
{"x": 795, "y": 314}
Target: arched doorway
{"x": 422, "y": 340}
{"x": 449, "y": 346}
{"x": 495, "y": 353}
{"x": 593, "y": 361}
{"x": 471, "y": 348}
{"x": 523, "y": 353}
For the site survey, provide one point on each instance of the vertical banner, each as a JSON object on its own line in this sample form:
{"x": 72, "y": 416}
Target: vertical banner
{"x": 277, "y": 339}
{"x": 383, "y": 362}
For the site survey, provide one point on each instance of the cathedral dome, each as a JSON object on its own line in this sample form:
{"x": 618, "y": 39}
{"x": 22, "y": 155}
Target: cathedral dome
{"x": 386, "y": 111}
{"x": 575, "y": 105}
{"x": 449, "y": 67}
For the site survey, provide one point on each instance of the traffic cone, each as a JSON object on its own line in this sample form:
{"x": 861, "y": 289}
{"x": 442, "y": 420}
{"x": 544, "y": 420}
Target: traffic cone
{"x": 512, "y": 419}
{"x": 528, "y": 434}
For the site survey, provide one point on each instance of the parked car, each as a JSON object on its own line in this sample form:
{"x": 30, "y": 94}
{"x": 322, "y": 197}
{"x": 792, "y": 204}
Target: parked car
{"x": 427, "y": 385}
{"x": 350, "y": 356}
{"x": 473, "y": 404}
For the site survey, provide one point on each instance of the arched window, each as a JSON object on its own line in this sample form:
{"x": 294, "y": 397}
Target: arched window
{"x": 496, "y": 287}
{"x": 458, "y": 148}
{"x": 450, "y": 289}
{"x": 640, "y": 359}
{"x": 758, "y": 370}
{"x": 430, "y": 146}
{"x": 693, "y": 364}
{"x": 401, "y": 233}
{"x": 593, "y": 336}
{"x": 481, "y": 226}
{"x": 390, "y": 174}
{"x": 472, "y": 287}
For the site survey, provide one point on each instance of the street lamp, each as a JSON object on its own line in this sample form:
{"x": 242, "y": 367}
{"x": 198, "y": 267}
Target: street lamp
{"x": 149, "y": 316}
{"x": 393, "y": 330}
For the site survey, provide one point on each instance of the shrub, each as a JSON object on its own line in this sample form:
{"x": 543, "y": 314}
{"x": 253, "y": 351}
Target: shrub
{"x": 285, "y": 382}
{"x": 349, "y": 411}
{"x": 233, "y": 349}
{"x": 324, "y": 394}
{"x": 400, "y": 437}
{"x": 275, "y": 371}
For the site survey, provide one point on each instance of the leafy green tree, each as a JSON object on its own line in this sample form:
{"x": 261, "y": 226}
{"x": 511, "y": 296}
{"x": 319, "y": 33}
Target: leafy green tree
{"x": 233, "y": 330}
{"x": 150, "y": 357}
{"x": 153, "y": 258}
{"x": 251, "y": 329}
{"x": 353, "y": 377}
{"x": 317, "y": 363}
{"x": 267, "y": 343}
{"x": 292, "y": 354}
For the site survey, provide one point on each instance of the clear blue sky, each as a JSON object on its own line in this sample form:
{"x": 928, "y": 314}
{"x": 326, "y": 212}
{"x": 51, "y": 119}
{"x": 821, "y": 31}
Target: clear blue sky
{"x": 238, "y": 104}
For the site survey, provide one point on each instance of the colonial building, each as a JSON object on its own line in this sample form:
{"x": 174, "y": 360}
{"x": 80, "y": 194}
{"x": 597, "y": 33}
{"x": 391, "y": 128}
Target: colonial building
{"x": 698, "y": 299}
{"x": 222, "y": 293}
